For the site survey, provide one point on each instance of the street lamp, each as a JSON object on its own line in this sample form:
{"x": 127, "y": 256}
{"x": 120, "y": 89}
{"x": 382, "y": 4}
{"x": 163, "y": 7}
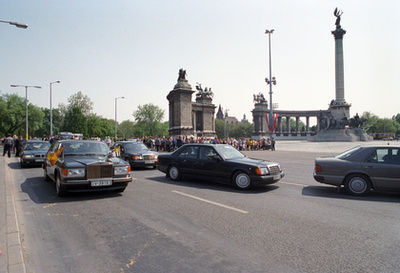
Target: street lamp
{"x": 270, "y": 83}
{"x": 51, "y": 109}
{"x": 18, "y": 25}
{"x": 115, "y": 135}
{"x": 26, "y": 105}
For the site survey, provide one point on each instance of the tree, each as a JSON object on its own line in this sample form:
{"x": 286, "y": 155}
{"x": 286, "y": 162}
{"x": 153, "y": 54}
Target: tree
{"x": 79, "y": 100}
{"x": 75, "y": 122}
{"x": 99, "y": 126}
{"x": 148, "y": 120}
{"x": 127, "y": 128}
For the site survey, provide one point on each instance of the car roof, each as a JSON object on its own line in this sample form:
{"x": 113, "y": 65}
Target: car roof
{"x": 79, "y": 140}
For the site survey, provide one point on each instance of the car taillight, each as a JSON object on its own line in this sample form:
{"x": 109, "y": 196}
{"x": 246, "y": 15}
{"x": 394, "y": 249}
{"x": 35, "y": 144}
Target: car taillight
{"x": 318, "y": 168}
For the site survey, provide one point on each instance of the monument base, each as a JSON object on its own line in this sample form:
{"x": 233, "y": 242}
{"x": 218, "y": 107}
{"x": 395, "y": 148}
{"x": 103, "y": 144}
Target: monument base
{"x": 341, "y": 135}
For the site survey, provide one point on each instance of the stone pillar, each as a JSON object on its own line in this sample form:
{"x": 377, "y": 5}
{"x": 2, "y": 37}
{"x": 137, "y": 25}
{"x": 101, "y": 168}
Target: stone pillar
{"x": 339, "y": 67}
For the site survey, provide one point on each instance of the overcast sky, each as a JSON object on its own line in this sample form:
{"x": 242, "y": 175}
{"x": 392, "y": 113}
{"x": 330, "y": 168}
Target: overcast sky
{"x": 108, "y": 49}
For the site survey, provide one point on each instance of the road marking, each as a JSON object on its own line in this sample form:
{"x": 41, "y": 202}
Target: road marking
{"x": 211, "y": 202}
{"x": 294, "y": 184}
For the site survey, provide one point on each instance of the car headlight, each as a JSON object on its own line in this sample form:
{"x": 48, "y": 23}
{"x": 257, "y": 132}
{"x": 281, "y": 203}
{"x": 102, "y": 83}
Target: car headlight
{"x": 137, "y": 157}
{"x": 122, "y": 170}
{"x": 262, "y": 171}
{"x": 27, "y": 156}
{"x": 74, "y": 172}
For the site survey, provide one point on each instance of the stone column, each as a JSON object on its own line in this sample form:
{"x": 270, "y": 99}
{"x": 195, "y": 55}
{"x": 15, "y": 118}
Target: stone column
{"x": 339, "y": 67}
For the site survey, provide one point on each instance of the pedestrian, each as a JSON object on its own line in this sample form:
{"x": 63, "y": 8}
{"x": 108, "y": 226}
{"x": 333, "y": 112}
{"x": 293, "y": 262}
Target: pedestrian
{"x": 18, "y": 145}
{"x": 272, "y": 144}
{"x": 8, "y": 141}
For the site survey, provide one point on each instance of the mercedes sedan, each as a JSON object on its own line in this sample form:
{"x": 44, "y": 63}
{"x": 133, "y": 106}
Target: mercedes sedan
{"x": 84, "y": 165}
{"x": 33, "y": 153}
{"x": 220, "y": 163}
{"x": 135, "y": 153}
{"x": 361, "y": 169}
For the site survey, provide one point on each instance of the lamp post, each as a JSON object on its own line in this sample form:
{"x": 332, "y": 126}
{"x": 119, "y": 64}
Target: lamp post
{"x": 18, "y": 25}
{"x": 115, "y": 135}
{"x": 270, "y": 82}
{"x": 51, "y": 109}
{"x": 26, "y": 104}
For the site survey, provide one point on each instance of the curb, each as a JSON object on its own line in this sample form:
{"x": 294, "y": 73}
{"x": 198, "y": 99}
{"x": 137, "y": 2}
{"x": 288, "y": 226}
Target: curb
{"x": 12, "y": 248}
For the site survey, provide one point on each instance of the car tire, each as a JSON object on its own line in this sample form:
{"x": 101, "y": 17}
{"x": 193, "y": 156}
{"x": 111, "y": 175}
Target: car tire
{"x": 59, "y": 188}
{"x": 174, "y": 173}
{"x": 357, "y": 184}
{"x": 45, "y": 175}
{"x": 242, "y": 181}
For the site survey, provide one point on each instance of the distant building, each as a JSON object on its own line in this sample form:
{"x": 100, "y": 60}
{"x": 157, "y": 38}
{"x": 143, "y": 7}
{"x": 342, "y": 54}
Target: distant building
{"x": 220, "y": 115}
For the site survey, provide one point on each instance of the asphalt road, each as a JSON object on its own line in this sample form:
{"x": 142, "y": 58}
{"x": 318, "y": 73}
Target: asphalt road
{"x": 158, "y": 225}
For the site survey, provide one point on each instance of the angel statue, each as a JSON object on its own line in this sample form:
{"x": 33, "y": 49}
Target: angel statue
{"x": 337, "y": 14}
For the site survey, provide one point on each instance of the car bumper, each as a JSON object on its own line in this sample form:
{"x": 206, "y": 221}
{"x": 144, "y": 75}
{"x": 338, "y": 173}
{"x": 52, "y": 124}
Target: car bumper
{"x": 142, "y": 163}
{"x": 88, "y": 185}
{"x": 329, "y": 179}
{"x": 266, "y": 179}
{"x": 32, "y": 161}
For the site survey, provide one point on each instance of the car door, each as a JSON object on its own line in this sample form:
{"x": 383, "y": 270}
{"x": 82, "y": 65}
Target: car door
{"x": 187, "y": 158}
{"x": 210, "y": 165}
{"x": 383, "y": 166}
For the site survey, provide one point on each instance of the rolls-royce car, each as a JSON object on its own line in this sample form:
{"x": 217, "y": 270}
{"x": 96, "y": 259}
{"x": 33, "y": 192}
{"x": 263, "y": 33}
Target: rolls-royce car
{"x": 361, "y": 169}
{"x": 85, "y": 165}
{"x": 220, "y": 163}
{"x": 33, "y": 153}
{"x": 136, "y": 153}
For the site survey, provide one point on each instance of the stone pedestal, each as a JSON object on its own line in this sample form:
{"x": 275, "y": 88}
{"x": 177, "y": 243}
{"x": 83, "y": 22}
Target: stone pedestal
{"x": 259, "y": 120}
{"x": 341, "y": 135}
{"x": 180, "y": 109}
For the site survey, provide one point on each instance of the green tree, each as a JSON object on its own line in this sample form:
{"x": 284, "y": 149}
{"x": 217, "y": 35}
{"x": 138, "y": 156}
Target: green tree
{"x": 127, "y": 128}
{"x": 79, "y": 100}
{"x": 148, "y": 120}
{"x": 75, "y": 121}
{"x": 99, "y": 126}
{"x": 242, "y": 129}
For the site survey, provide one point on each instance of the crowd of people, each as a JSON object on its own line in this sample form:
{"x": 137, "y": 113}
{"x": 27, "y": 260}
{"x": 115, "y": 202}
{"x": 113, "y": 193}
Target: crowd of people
{"x": 168, "y": 144}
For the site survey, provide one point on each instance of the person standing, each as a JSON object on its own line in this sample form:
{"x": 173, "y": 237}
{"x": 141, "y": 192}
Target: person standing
{"x": 272, "y": 144}
{"x": 18, "y": 145}
{"x": 8, "y": 141}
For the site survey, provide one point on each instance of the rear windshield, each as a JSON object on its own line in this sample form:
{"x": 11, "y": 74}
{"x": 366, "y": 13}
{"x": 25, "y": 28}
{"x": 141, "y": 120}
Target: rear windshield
{"x": 348, "y": 153}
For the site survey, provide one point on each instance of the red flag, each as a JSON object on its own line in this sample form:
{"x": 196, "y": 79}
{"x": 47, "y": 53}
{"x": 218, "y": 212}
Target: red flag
{"x": 271, "y": 127}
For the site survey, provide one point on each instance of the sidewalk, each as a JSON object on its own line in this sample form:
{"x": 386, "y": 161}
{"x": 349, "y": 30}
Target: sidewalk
{"x": 11, "y": 261}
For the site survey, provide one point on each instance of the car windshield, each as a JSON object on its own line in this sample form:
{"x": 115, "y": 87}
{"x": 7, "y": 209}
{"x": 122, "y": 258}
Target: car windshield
{"x": 348, "y": 153}
{"x": 228, "y": 152}
{"x": 37, "y": 146}
{"x": 135, "y": 147}
{"x": 83, "y": 148}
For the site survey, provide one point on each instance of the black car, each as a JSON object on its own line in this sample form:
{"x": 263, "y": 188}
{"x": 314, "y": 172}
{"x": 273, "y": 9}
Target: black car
{"x": 85, "y": 165}
{"x": 220, "y": 163}
{"x": 136, "y": 153}
{"x": 33, "y": 153}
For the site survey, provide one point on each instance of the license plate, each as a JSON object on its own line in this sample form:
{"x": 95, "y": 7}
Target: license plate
{"x": 276, "y": 177}
{"x": 100, "y": 183}
{"x": 39, "y": 160}
{"x": 149, "y": 161}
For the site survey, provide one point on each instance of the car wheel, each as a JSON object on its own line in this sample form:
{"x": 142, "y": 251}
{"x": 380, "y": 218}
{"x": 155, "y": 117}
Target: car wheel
{"x": 45, "y": 176}
{"x": 357, "y": 184}
{"x": 241, "y": 180}
{"x": 59, "y": 188}
{"x": 174, "y": 173}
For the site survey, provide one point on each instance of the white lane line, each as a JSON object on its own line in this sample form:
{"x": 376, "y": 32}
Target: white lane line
{"x": 211, "y": 202}
{"x": 294, "y": 184}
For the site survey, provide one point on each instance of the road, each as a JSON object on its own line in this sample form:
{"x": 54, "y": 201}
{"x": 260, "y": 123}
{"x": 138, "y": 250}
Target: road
{"x": 158, "y": 225}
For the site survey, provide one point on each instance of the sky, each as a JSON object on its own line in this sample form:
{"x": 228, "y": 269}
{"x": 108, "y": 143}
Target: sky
{"x": 134, "y": 49}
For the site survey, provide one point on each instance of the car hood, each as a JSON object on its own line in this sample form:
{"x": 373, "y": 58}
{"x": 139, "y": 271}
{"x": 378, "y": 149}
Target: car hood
{"x": 34, "y": 152}
{"x": 251, "y": 161}
{"x": 88, "y": 160}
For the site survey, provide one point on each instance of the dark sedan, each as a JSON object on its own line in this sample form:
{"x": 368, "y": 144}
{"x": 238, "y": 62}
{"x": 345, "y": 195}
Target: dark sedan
{"x": 361, "y": 169}
{"x": 136, "y": 153}
{"x": 220, "y": 163}
{"x": 84, "y": 165}
{"x": 33, "y": 153}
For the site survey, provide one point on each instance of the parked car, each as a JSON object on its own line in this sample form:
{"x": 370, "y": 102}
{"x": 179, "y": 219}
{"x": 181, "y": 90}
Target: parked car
{"x": 136, "y": 153}
{"x": 85, "y": 165}
{"x": 220, "y": 163}
{"x": 33, "y": 153}
{"x": 361, "y": 169}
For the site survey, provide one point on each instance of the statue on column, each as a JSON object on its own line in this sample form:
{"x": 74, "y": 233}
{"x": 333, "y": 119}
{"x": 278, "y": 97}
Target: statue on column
{"x": 337, "y": 14}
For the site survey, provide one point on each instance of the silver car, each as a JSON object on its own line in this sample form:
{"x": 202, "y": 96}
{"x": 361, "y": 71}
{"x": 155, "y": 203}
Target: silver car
{"x": 361, "y": 169}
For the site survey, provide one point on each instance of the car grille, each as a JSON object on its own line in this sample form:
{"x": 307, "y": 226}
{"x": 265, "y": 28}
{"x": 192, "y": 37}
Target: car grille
{"x": 39, "y": 156}
{"x": 149, "y": 157}
{"x": 99, "y": 170}
{"x": 274, "y": 169}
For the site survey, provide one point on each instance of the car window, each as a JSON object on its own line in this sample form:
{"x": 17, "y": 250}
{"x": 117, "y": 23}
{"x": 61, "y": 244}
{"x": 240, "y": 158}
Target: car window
{"x": 348, "y": 153}
{"x": 385, "y": 156}
{"x": 228, "y": 152}
{"x": 189, "y": 152}
{"x": 207, "y": 152}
